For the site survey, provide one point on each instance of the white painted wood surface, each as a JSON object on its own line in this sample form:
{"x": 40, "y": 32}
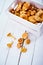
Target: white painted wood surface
{"x": 7, "y": 25}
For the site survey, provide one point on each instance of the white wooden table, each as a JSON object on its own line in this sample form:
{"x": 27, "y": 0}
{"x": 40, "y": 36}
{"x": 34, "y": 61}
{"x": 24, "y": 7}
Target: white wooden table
{"x": 7, "y": 25}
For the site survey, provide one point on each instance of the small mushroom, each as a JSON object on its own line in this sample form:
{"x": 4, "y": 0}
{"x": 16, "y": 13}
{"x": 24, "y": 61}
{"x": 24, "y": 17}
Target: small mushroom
{"x": 9, "y": 45}
{"x": 25, "y": 35}
{"x": 19, "y": 45}
{"x": 23, "y": 49}
{"x": 10, "y": 35}
{"x": 20, "y": 40}
{"x": 27, "y": 41}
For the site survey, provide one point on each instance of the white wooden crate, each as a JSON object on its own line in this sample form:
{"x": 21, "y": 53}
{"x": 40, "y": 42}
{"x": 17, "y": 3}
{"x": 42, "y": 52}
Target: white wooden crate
{"x": 36, "y": 28}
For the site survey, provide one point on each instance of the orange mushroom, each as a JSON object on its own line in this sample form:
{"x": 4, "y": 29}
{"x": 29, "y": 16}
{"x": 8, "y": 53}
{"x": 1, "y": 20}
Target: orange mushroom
{"x": 20, "y": 40}
{"x": 19, "y": 45}
{"x": 23, "y": 49}
{"x": 27, "y": 41}
{"x": 10, "y": 35}
{"x": 25, "y": 35}
{"x": 9, "y": 44}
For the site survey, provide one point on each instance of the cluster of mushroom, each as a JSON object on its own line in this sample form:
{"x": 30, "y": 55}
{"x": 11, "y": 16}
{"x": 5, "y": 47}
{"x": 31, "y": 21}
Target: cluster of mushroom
{"x": 23, "y": 40}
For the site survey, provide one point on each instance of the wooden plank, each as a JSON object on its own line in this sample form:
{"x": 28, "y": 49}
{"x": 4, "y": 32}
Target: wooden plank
{"x": 27, "y": 58}
{"x": 16, "y": 29}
